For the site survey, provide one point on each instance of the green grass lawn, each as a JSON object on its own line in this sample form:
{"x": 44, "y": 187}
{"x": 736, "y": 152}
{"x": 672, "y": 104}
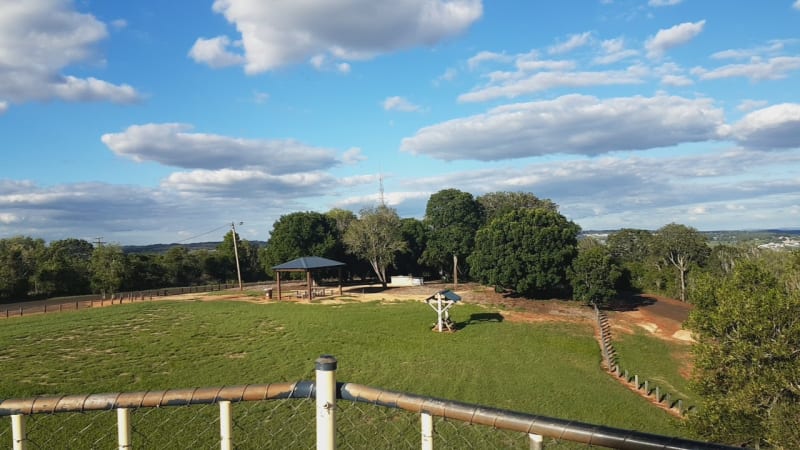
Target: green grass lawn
{"x": 551, "y": 369}
{"x": 658, "y": 361}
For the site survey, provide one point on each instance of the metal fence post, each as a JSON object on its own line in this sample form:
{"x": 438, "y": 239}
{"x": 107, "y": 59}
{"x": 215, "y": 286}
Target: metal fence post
{"x": 225, "y": 426}
{"x": 537, "y": 441}
{"x": 326, "y": 402}
{"x": 426, "y": 420}
{"x": 124, "y": 428}
{"x": 19, "y": 436}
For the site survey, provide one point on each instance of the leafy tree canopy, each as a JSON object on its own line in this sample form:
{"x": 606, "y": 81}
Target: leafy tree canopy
{"x": 497, "y": 204}
{"x": 300, "y": 234}
{"x": 747, "y": 358}
{"x": 376, "y": 237}
{"x": 452, "y": 218}
{"x": 526, "y": 250}
{"x": 593, "y": 275}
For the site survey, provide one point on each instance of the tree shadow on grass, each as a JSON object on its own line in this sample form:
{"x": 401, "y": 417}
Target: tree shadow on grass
{"x": 479, "y": 318}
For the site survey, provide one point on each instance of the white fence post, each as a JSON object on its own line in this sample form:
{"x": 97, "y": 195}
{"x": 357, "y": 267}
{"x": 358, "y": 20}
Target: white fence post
{"x": 537, "y": 441}
{"x": 19, "y": 436}
{"x": 225, "y": 426}
{"x": 124, "y": 428}
{"x": 427, "y": 430}
{"x": 326, "y": 402}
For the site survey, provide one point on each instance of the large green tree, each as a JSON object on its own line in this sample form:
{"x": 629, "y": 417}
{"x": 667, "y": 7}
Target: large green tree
{"x": 527, "y": 250}
{"x": 496, "y": 204}
{"x": 681, "y": 247}
{"x": 300, "y": 234}
{"x": 593, "y": 275}
{"x": 19, "y": 262}
{"x": 452, "y": 217}
{"x": 747, "y": 358}
{"x": 415, "y": 235}
{"x": 632, "y": 249}
{"x": 64, "y": 269}
{"x": 107, "y": 267}
{"x": 376, "y": 237}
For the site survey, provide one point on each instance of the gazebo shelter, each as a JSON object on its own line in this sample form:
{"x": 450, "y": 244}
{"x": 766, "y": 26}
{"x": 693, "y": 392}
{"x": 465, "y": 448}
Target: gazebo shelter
{"x": 307, "y": 264}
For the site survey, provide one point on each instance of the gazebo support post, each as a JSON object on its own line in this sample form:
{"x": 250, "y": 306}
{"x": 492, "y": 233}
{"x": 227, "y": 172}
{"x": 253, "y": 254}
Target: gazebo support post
{"x": 308, "y": 284}
{"x": 278, "y": 278}
{"x": 340, "y": 281}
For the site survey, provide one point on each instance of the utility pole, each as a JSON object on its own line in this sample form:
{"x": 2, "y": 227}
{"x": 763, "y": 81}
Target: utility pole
{"x": 236, "y": 253}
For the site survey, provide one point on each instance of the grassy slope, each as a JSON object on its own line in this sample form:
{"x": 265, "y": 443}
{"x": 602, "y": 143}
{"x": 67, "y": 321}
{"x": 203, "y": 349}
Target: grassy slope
{"x": 656, "y": 360}
{"x": 550, "y": 369}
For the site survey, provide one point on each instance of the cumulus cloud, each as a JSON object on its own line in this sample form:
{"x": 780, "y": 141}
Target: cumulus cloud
{"x": 749, "y": 105}
{"x": 575, "y": 124}
{"x": 613, "y": 50}
{"x": 353, "y": 156}
{"x": 397, "y": 103}
{"x": 757, "y": 70}
{"x": 514, "y": 85}
{"x": 173, "y": 144}
{"x": 573, "y": 42}
{"x": 668, "y": 38}
{"x": 676, "y": 80}
{"x": 276, "y": 34}
{"x": 215, "y": 52}
{"x": 39, "y": 39}
{"x": 773, "y": 127}
{"x": 486, "y": 56}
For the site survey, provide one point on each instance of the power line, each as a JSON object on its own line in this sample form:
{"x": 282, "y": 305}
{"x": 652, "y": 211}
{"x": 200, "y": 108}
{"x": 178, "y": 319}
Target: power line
{"x": 203, "y": 234}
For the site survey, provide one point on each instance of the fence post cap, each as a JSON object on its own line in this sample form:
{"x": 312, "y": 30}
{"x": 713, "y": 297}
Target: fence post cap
{"x": 325, "y": 362}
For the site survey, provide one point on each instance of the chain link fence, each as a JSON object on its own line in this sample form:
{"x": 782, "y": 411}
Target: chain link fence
{"x": 282, "y": 416}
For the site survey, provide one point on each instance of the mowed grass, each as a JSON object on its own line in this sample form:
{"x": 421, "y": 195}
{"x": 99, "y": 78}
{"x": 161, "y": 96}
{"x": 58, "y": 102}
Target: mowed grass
{"x": 658, "y": 361}
{"x": 550, "y": 369}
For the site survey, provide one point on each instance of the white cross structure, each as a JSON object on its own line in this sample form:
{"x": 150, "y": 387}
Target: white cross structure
{"x": 441, "y": 303}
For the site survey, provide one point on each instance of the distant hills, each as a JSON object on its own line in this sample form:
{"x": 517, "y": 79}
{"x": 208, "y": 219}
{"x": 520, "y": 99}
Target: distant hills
{"x": 194, "y": 246}
{"x": 727, "y": 237}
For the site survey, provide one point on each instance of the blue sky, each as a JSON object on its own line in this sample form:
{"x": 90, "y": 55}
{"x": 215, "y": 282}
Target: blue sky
{"x": 163, "y": 121}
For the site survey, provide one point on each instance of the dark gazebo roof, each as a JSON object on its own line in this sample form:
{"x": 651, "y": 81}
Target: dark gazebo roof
{"x": 308, "y": 263}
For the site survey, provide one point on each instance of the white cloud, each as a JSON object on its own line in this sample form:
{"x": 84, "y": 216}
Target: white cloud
{"x": 663, "y": 2}
{"x": 773, "y": 127}
{"x": 676, "y": 80}
{"x": 215, "y": 53}
{"x": 519, "y": 83}
{"x": 353, "y": 156}
{"x": 796, "y": 5}
{"x": 173, "y": 144}
{"x": 756, "y": 70}
{"x": 119, "y": 24}
{"x": 397, "y": 103}
{"x": 39, "y": 39}
{"x": 275, "y": 34}
{"x": 749, "y": 105}
{"x": 573, "y": 42}
{"x": 486, "y": 56}
{"x": 3, "y": 107}
{"x": 668, "y": 38}
{"x": 575, "y": 124}
{"x": 6, "y": 218}
{"x": 449, "y": 75}
{"x": 614, "y": 51}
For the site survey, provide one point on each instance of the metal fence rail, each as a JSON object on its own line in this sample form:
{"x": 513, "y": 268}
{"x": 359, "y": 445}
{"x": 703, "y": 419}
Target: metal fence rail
{"x": 281, "y": 415}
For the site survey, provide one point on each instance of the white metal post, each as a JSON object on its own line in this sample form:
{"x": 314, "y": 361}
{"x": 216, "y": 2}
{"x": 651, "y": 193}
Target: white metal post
{"x": 19, "y": 436}
{"x": 124, "y": 428}
{"x": 537, "y": 441}
{"x": 426, "y": 420}
{"x": 326, "y": 402}
{"x": 225, "y": 426}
